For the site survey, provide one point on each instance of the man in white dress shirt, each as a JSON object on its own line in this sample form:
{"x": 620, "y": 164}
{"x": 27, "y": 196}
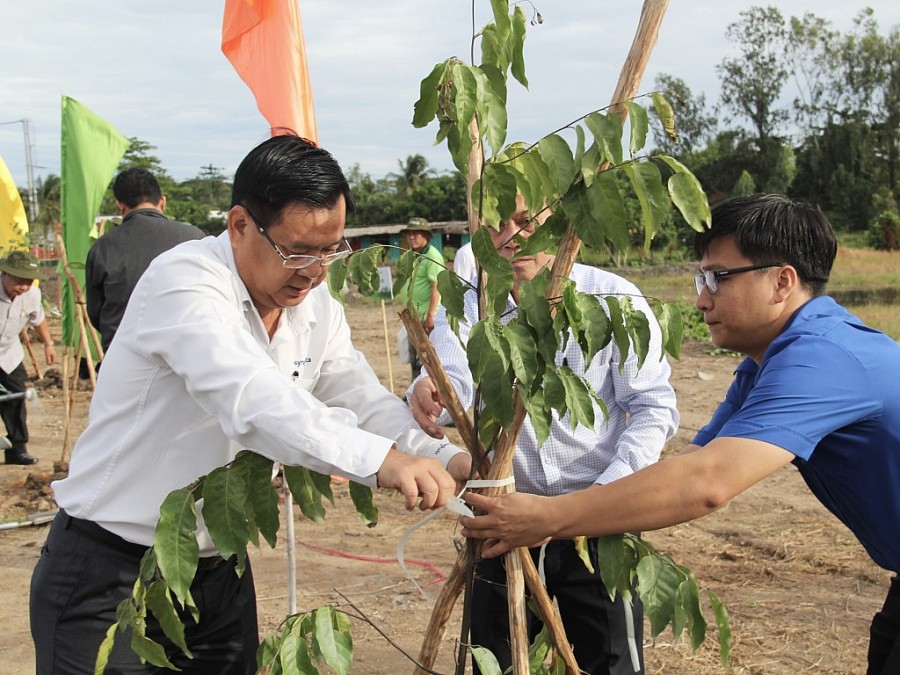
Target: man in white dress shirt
{"x": 228, "y": 342}
{"x": 606, "y": 635}
{"x": 20, "y": 306}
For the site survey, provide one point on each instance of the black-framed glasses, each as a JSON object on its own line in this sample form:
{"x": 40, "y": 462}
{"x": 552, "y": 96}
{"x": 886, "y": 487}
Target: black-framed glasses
{"x": 301, "y": 262}
{"x": 710, "y": 278}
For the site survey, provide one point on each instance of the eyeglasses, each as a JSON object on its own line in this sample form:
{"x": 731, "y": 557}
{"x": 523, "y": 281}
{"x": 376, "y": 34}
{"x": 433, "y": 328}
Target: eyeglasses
{"x": 710, "y": 278}
{"x": 301, "y": 262}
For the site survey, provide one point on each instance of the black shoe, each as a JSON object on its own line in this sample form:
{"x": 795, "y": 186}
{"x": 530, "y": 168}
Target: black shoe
{"x": 21, "y": 457}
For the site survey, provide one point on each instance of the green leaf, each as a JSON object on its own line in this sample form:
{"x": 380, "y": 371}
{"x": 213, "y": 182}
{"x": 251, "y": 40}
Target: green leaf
{"x": 611, "y": 561}
{"x": 323, "y": 485}
{"x": 295, "y": 657}
{"x": 658, "y": 584}
{"x": 486, "y": 661}
{"x": 647, "y": 183}
{"x": 665, "y": 114}
{"x": 577, "y": 206}
{"x": 496, "y": 389}
{"x": 497, "y": 341}
{"x": 689, "y": 602}
{"x": 363, "y": 269}
{"x": 538, "y": 651}
{"x": 671, "y": 326}
{"x": 584, "y": 552}
{"x": 262, "y": 501}
{"x": 607, "y": 131}
{"x": 498, "y": 268}
{"x": 453, "y": 291}
{"x": 500, "y": 9}
{"x": 337, "y": 277}
{"x": 224, "y": 506}
{"x": 150, "y": 651}
{"x": 517, "y": 46}
{"x": 723, "y": 627}
{"x": 267, "y": 653}
{"x": 305, "y": 493}
{"x": 466, "y": 95}
{"x": 578, "y": 399}
{"x": 608, "y": 208}
{"x": 459, "y": 143}
{"x": 361, "y": 496}
{"x": 555, "y": 392}
{"x": 404, "y": 269}
{"x": 687, "y": 194}
{"x": 534, "y": 311}
{"x": 640, "y": 126}
{"x": 177, "y": 551}
{"x": 595, "y": 326}
{"x": 159, "y": 601}
{"x": 638, "y": 327}
{"x": 559, "y": 161}
{"x": 620, "y": 333}
{"x": 540, "y": 415}
{"x": 523, "y": 354}
{"x": 426, "y": 108}
{"x": 105, "y": 649}
{"x": 492, "y": 108}
{"x": 329, "y": 642}
{"x": 499, "y": 190}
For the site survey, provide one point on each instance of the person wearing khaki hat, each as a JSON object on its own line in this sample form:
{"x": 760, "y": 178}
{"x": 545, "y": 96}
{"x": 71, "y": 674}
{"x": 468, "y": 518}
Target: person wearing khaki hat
{"x": 20, "y": 306}
{"x": 422, "y": 290}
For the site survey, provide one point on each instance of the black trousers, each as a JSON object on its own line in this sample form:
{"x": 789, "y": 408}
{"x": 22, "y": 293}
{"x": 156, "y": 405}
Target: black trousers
{"x": 13, "y": 412}
{"x": 884, "y": 635}
{"x": 596, "y": 627}
{"x": 80, "y": 580}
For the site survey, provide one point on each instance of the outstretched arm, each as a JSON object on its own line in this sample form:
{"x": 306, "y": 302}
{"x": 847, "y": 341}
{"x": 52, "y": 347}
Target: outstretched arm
{"x": 673, "y": 491}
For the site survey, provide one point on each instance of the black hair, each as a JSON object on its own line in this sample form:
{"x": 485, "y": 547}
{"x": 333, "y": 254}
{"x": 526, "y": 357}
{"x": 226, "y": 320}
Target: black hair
{"x": 770, "y": 228}
{"x": 135, "y": 186}
{"x": 287, "y": 169}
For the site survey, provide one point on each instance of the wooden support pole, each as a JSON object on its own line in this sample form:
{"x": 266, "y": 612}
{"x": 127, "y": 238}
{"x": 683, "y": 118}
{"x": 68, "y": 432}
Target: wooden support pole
{"x": 26, "y": 342}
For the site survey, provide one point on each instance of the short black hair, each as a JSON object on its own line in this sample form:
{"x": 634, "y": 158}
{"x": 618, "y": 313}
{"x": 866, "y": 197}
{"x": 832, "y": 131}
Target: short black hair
{"x": 772, "y": 228}
{"x": 287, "y": 169}
{"x": 135, "y": 186}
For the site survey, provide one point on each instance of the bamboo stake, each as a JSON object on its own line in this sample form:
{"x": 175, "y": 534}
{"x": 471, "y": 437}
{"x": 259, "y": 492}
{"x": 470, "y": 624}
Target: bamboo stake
{"x": 80, "y": 311}
{"x": 26, "y": 341}
{"x": 387, "y": 347}
{"x": 67, "y": 416}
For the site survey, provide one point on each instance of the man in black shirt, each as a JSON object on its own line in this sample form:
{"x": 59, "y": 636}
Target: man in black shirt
{"x": 118, "y": 259}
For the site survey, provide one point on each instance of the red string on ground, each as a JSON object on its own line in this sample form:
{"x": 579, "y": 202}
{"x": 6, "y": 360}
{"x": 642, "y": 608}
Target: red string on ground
{"x": 438, "y": 575}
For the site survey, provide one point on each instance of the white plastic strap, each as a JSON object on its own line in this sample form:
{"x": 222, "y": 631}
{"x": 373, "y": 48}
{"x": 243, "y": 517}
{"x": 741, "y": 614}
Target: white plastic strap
{"x": 455, "y": 504}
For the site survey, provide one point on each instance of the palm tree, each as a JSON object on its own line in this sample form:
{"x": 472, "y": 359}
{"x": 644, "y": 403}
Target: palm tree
{"x": 412, "y": 173}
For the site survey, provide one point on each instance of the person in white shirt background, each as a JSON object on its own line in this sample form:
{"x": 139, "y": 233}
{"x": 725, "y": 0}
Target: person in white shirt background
{"x": 606, "y": 635}
{"x": 228, "y": 342}
{"x": 20, "y": 306}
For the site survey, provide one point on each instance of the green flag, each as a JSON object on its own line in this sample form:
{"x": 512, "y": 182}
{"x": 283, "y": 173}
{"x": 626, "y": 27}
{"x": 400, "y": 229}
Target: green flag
{"x": 91, "y": 150}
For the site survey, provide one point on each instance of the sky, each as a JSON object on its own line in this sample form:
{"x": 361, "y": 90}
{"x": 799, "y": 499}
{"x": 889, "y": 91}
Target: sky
{"x": 155, "y": 70}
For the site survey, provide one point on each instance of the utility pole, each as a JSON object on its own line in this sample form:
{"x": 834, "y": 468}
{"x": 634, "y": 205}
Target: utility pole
{"x": 29, "y": 167}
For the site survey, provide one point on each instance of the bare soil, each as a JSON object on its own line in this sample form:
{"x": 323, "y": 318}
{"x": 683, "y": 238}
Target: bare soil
{"x": 799, "y": 589}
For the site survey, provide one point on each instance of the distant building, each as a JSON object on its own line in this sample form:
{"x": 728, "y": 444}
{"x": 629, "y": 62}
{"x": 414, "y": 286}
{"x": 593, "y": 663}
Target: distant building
{"x": 451, "y": 233}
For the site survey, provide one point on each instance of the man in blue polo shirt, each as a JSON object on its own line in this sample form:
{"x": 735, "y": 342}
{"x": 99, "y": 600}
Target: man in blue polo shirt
{"x": 818, "y": 389}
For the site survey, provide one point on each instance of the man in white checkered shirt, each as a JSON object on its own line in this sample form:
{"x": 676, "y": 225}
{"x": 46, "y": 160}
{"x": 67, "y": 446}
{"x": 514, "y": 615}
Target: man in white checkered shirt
{"x": 606, "y": 635}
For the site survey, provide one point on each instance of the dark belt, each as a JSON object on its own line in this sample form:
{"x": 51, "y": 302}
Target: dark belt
{"x": 103, "y": 536}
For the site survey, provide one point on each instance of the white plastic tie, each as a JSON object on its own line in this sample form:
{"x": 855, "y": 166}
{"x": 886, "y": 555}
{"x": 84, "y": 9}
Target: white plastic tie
{"x": 455, "y": 504}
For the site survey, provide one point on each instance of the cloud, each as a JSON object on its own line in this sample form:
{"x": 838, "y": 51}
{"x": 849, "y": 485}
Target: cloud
{"x": 155, "y": 71}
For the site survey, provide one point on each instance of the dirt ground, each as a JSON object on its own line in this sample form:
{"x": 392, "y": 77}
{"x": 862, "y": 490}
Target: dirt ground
{"x": 799, "y": 589}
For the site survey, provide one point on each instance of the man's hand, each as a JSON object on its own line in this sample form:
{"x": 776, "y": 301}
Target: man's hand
{"x": 426, "y": 405}
{"x": 508, "y": 521}
{"x": 416, "y": 477}
{"x": 460, "y": 466}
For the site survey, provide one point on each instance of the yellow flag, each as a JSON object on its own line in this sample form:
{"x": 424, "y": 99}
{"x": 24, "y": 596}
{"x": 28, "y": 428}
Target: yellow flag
{"x": 13, "y": 222}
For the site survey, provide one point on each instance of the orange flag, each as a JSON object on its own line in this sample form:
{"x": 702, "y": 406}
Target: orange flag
{"x": 263, "y": 40}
